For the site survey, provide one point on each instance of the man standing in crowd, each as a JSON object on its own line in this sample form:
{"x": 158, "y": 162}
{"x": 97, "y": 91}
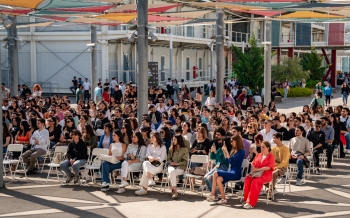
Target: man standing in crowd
{"x": 329, "y": 138}
{"x": 40, "y": 141}
{"x": 113, "y": 84}
{"x": 300, "y": 149}
{"x": 87, "y": 88}
{"x": 345, "y": 127}
{"x": 117, "y": 94}
{"x": 74, "y": 86}
{"x": 98, "y": 92}
{"x": 317, "y": 137}
{"x": 79, "y": 93}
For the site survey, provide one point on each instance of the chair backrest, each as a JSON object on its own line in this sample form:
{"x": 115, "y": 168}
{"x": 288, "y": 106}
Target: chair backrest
{"x": 98, "y": 151}
{"x": 199, "y": 159}
{"x": 61, "y": 149}
{"x": 15, "y": 147}
{"x": 286, "y": 143}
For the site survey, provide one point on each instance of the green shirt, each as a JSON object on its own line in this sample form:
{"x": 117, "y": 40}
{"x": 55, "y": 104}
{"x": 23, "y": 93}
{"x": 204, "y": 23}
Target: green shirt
{"x": 79, "y": 92}
{"x": 219, "y": 157}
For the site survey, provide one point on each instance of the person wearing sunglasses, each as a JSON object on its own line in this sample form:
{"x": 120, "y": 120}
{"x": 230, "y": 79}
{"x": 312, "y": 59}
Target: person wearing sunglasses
{"x": 267, "y": 132}
{"x": 317, "y": 137}
{"x": 252, "y": 130}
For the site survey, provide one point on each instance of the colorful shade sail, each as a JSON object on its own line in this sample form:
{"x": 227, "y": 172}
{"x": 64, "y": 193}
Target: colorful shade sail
{"x": 188, "y": 14}
{"x": 152, "y": 8}
{"x": 261, "y": 1}
{"x": 70, "y": 4}
{"x": 94, "y": 9}
{"x": 261, "y": 12}
{"x": 121, "y": 17}
{"x": 16, "y": 12}
{"x": 155, "y": 18}
{"x": 21, "y": 3}
{"x": 309, "y": 14}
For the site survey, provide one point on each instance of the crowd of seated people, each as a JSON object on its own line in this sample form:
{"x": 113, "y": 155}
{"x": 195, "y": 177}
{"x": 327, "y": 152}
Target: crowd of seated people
{"x": 171, "y": 134}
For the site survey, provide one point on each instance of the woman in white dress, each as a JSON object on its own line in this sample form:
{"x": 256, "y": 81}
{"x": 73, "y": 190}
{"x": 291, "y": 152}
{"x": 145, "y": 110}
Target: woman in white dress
{"x": 117, "y": 149}
{"x": 211, "y": 100}
{"x": 156, "y": 154}
{"x": 133, "y": 159}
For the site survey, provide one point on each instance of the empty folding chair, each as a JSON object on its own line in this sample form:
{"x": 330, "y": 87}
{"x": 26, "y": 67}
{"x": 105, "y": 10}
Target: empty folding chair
{"x": 10, "y": 162}
{"x": 59, "y": 151}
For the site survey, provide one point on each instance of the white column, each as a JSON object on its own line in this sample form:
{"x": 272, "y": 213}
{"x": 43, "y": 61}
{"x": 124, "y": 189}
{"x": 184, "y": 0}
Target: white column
{"x": 181, "y": 63}
{"x": 120, "y": 61}
{"x": 33, "y": 68}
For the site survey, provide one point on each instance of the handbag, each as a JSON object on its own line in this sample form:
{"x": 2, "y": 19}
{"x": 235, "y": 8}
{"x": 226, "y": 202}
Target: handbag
{"x": 256, "y": 174}
{"x": 155, "y": 163}
{"x": 59, "y": 158}
{"x": 110, "y": 159}
{"x": 199, "y": 171}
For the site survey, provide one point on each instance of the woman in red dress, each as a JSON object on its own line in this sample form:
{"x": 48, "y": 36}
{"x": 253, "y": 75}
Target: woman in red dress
{"x": 106, "y": 95}
{"x": 264, "y": 163}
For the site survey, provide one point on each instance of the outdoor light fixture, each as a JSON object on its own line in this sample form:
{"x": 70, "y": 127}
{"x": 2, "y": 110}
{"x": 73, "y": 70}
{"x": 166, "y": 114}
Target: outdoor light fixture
{"x": 210, "y": 44}
{"x": 6, "y": 22}
{"x": 18, "y": 39}
{"x": 6, "y": 45}
{"x": 91, "y": 44}
{"x": 132, "y": 37}
{"x": 89, "y": 49}
{"x": 153, "y": 37}
{"x": 149, "y": 27}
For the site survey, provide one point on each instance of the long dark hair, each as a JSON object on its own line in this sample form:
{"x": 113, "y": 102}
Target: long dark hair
{"x": 26, "y": 128}
{"x": 69, "y": 129}
{"x": 89, "y": 130}
{"x": 140, "y": 140}
{"x": 120, "y": 135}
{"x": 335, "y": 120}
{"x": 128, "y": 131}
{"x": 158, "y": 138}
{"x": 6, "y": 131}
{"x": 167, "y": 134}
{"x": 180, "y": 142}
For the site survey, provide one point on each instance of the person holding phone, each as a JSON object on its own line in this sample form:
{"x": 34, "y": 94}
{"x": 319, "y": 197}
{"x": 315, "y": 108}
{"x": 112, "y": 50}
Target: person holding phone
{"x": 235, "y": 159}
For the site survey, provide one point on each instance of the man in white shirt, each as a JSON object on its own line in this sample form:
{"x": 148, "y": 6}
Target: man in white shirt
{"x": 113, "y": 84}
{"x": 234, "y": 91}
{"x": 87, "y": 87}
{"x": 232, "y": 82}
{"x": 268, "y": 132}
{"x": 39, "y": 142}
{"x": 121, "y": 87}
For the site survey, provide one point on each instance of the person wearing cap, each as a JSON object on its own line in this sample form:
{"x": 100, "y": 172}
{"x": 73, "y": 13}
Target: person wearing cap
{"x": 25, "y": 91}
{"x": 156, "y": 116}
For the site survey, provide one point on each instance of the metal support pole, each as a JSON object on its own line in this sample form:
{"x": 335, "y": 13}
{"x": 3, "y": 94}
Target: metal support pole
{"x": 13, "y": 57}
{"x": 267, "y": 65}
{"x": 93, "y": 60}
{"x": 142, "y": 58}
{"x": 220, "y": 56}
{"x": 211, "y": 61}
{"x": 171, "y": 53}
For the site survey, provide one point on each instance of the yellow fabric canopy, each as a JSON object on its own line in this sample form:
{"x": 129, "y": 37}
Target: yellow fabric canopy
{"x": 309, "y": 14}
{"x": 189, "y": 14}
{"x": 21, "y": 3}
{"x": 122, "y": 17}
{"x": 165, "y": 24}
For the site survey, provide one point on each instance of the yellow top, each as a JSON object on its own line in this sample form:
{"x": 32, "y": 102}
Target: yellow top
{"x": 282, "y": 155}
{"x": 21, "y": 3}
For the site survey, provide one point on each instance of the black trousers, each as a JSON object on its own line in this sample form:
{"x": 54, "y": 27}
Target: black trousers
{"x": 328, "y": 99}
{"x": 330, "y": 149}
{"x": 316, "y": 156}
{"x": 86, "y": 95}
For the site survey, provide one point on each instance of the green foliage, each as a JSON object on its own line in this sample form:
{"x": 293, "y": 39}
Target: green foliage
{"x": 289, "y": 69}
{"x": 297, "y": 92}
{"x": 312, "y": 62}
{"x": 311, "y": 83}
{"x": 250, "y": 67}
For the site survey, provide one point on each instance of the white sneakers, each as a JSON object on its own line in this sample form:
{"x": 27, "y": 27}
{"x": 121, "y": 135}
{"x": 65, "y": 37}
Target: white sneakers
{"x": 104, "y": 186}
{"x": 120, "y": 190}
{"x": 298, "y": 182}
{"x": 124, "y": 184}
{"x": 141, "y": 192}
{"x": 248, "y": 206}
{"x": 209, "y": 196}
{"x": 151, "y": 182}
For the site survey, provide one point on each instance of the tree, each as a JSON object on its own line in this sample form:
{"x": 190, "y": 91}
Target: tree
{"x": 312, "y": 62}
{"x": 289, "y": 69}
{"x": 250, "y": 67}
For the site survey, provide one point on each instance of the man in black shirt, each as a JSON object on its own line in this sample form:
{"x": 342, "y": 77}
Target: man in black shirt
{"x": 278, "y": 128}
{"x": 317, "y": 137}
{"x": 273, "y": 92}
{"x": 75, "y": 85}
{"x": 156, "y": 116}
{"x": 25, "y": 91}
{"x": 117, "y": 95}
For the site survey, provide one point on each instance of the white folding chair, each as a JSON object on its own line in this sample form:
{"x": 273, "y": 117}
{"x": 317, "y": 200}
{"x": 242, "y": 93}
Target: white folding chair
{"x": 269, "y": 189}
{"x": 45, "y": 156}
{"x": 336, "y": 151}
{"x": 288, "y": 178}
{"x": 10, "y": 162}
{"x": 202, "y": 159}
{"x": 58, "y": 150}
{"x": 82, "y": 179}
{"x": 94, "y": 165}
{"x": 245, "y": 172}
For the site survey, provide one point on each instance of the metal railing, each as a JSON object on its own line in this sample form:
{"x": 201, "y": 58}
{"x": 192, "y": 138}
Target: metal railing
{"x": 47, "y": 88}
{"x": 316, "y": 37}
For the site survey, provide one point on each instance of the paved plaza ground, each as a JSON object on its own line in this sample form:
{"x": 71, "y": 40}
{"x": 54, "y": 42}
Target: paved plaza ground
{"x": 326, "y": 195}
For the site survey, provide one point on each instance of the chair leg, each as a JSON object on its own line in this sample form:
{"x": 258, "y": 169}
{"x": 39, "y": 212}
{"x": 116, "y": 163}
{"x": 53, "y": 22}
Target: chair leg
{"x": 48, "y": 174}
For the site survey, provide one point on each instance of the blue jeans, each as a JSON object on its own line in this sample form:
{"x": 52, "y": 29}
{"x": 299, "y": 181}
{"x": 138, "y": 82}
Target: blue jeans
{"x": 347, "y": 137}
{"x": 64, "y": 166}
{"x": 345, "y": 98}
{"x": 300, "y": 165}
{"x": 73, "y": 89}
{"x": 285, "y": 93}
{"x": 52, "y": 143}
{"x": 208, "y": 178}
{"x": 107, "y": 168}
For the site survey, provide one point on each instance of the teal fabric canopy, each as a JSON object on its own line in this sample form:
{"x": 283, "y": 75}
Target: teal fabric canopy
{"x": 71, "y": 4}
